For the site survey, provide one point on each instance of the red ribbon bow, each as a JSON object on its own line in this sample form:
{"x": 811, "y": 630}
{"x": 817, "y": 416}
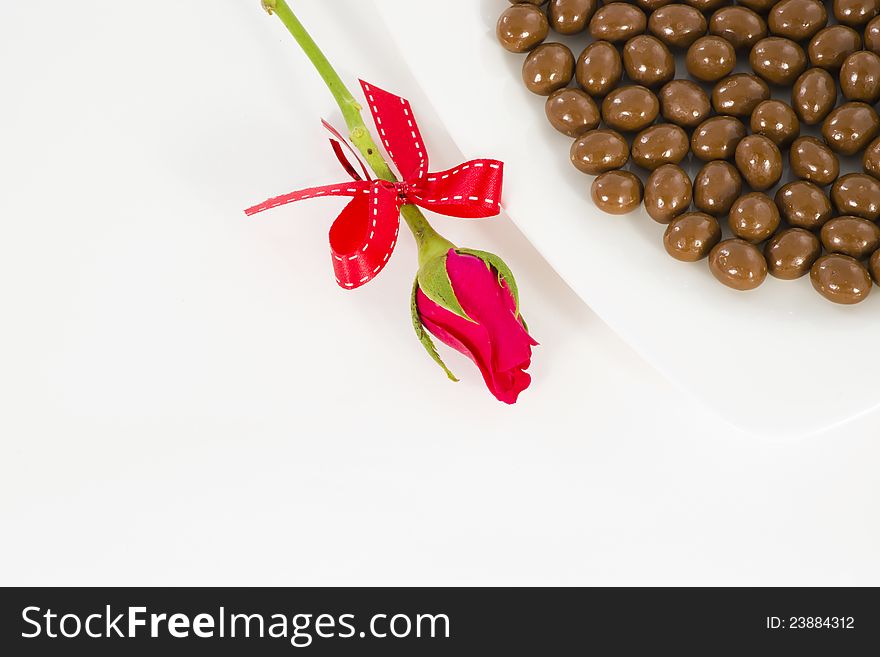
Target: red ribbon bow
{"x": 364, "y": 235}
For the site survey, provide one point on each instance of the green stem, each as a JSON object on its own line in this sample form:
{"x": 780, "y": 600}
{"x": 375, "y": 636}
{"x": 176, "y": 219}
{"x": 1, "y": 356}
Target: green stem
{"x": 430, "y": 242}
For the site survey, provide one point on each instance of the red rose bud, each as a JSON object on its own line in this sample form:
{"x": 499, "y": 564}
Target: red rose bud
{"x": 468, "y": 300}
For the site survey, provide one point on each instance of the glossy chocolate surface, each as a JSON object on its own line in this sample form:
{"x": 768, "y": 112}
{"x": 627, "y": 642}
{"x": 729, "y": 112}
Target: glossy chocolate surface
{"x": 522, "y": 27}
{"x": 759, "y": 161}
{"x": 738, "y": 264}
{"x": 739, "y": 94}
{"x": 647, "y": 61}
{"x": 599, "y": 151}
{"x": 664, "y": 143}
{"x": 710, "y": 58}
{"x": 840, "y": 279}
{"x": 717, "y": 138}
{"x": 617, "y": 21}
{"x": 814, "y": 95}
{"x": 599, "y": 68}
{"x": 871, "y": 158}
{"x": 852, "y": 236}
{"x": 570, "y": 16}
{"x": 740, "y": 26}
{"x": 860, "y": 77}
{"x": 791, "y": 253}
{"x": 776, "y": 121}
{"x": 572, "y": 112}
{"x": 630, "y": 108}
{"x": 812, "y": 160}
{"x": 855, "y": 13}
{"x": 684, "y": 103}
{"x": 677, "y": 25}
{"x": 798, "y": 20}
{"x": 850, "y": 127}
{"x": 668, "y": 193}
{"x": 690, "y": 237}
{"x": 754, "y": 217}
{"x": 547, "y": 68}
{"x": 831, "y": 45}
{"x": 778, "y": 60}
{"x": 617, "y": 192}
{"x": 716, "y": 186}
{"x": 872, "y": 36}
{"x": 804, "y": 204}
{"x": 857, "y": 194}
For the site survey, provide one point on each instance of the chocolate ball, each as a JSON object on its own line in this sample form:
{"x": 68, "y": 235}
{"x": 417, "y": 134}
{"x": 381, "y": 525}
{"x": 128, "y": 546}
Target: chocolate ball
{"x": 803, "y": 204}
{"x": 599, "y": 68}
{"x": 668, "y": 193}
{"x": 739, "y": 94}
{"x": 797, "y": 20}
{"x": 812, "y": 160}
{"x": 860, "y": 77}
{"x": 710, "y": 58}
{"x": 791, "y": 253}
{"x": 684, "y": 103}
{"x": 754, "y": 217}
{"x": 776, "y": 121}
{"x": 738, "y": 264}
{"x": 871, "y": 158}
{"x": 852, "y": 236}
{"x": 599, "y": 151}
{"x": 872, "y": 36}
{"x": 630, "y": 108}
{"x": 850, "y": 127}
{"x": 742, "y": 27}
{"x": 717, "y": 185}
{"x": 572, "y": 112}
{"x": 874, "y": 264}
{"x": 831, "y": 45}
{"x": 778, "y": 60}
{"x": 690, "y": 237}
{"x": 522, "y": 27}
{"x": 814, "y": 95}
{"x": 759, "y": 161}
{"x": 855, "y": 13}
{"x": 571, "y": 16}
{"x": 840, "y": 279}
{"x": 659, "y": 144}
{"x": 705, "y": 5}
{"x": 717, "y": 138}
{"x": 676, "y": 25}
{"x": 857, "y": 194}
{"x": 547, "y": 68}
{"x": 617, "y": 21}
{"x": 647, "y": 61}
{"x": 759, "y": 6}
{"x": 617, "y": 192}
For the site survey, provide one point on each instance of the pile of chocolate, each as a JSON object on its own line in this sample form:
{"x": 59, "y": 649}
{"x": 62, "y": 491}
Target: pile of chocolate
{"x": 631, "y": 117}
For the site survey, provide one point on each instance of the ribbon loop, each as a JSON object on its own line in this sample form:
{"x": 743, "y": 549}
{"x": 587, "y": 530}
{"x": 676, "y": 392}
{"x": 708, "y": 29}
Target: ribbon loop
{"x": 363, "y": 236}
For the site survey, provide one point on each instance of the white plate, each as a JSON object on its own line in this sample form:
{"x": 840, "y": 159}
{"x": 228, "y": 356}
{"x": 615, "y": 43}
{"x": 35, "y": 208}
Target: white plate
{"x": 778, "y": 360}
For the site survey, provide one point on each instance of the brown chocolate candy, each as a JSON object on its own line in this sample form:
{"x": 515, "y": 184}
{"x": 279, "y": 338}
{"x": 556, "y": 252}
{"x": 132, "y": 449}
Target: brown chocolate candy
{"x": 705, "y": 5}
{"x": 599, "y": 151}
{"x": 738, "y": 95}
{"x": 710, "y": 58}
{"x": 548, "y": 67}
{"x": 572, "y": 112}
{"x": 791, "y": 253}
{"x": 759, "y": 6}
{"x": 738, "y": 264}
{"x": 522, "y": 27}
{"x": 855, "y": 13}
{"x": 617, "y": 192}
{"x": 852, "y": 236}
{"x": 872, "y": 36}
{"x": 871, "y": 158}
{"x": 740, "y": 26}
{"x": 812, "y": 160}
{"x": 754, "y": 217}
{"x": 630, "y": 108}
{"x": 651, "y": 5}
{"x": 860, "y": 77}
{"x": 814, "y": 95}
{"x": 840, "y": 279}
{"x": 850, "y": 127}
{"x": 664, "y": 143}
{"x": 690, "y": 237}
{"x": 571, "y": 16}
{"x": 759, "y": 161}
{"x": 874, "y": 265}
{"x": 857, "y": 194}
{"x": 647, "y": 61}
{"x": 778, "y": 60}
{"x": 716, "y": 138}
{"x": 617, "y": 21}
{"x": 831, "y": 45}
{"x": 599, "y": 68}
{"x": 797, "y": 20}
{"x": 668, "y": 193}
{"x": 676, "y": 25}
{"x": 776, "y": 121}
{"x": 717, "y": 185}
{"x": 684, "y": 103}
{"x": 803, "y": 204}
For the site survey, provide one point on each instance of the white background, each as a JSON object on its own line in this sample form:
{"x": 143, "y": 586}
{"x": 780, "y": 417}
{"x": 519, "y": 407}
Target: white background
{"x": 188, "y": 398}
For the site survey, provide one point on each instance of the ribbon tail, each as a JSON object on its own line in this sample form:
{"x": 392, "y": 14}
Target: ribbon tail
{"x": 343, "y": 189}
{"x": 399, "y": 132}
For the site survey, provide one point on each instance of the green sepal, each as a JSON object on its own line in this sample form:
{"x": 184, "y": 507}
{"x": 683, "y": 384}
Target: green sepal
{"x": 434, "y": 281}
{"x": 423, "y": 335}
{"x": 504, "y": 273}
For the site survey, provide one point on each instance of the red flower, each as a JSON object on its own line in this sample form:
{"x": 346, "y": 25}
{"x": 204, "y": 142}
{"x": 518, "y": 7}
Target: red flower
{"x": 497, "y": 339}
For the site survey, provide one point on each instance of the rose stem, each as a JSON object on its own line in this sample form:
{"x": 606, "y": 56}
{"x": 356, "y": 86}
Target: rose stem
{"x": 430, "y": 243}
